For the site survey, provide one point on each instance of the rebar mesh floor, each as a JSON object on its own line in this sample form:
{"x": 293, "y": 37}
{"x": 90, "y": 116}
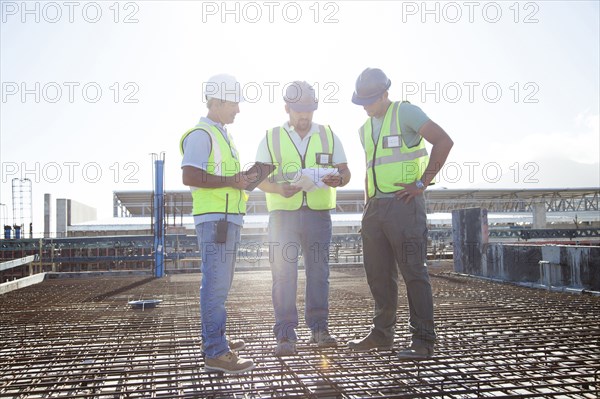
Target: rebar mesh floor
{"x": 79, "y": 338}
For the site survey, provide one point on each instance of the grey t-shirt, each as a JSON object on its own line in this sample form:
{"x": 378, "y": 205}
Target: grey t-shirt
{"x": 197, "y": 146}
{"x": 412, "y": 118}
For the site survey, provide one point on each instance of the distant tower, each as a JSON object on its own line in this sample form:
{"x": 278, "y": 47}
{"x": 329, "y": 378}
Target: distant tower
{"x": 22, "y": 205}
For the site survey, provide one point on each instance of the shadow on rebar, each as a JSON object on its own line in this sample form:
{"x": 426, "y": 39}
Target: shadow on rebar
{"x": 120, "y": 290}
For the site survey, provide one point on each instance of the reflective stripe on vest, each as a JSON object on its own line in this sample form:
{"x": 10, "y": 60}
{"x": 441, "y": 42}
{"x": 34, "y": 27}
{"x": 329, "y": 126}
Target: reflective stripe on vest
{"x": 396, "y": 164}
{"x": 222, "y": 161}
{"x": 286, "y": 157}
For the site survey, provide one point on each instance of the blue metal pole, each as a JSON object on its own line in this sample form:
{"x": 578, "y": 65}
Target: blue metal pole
{"x": 159, "y": 226}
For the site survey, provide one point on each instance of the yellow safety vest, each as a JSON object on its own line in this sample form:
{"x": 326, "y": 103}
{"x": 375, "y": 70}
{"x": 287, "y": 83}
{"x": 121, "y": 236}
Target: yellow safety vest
{"x": 389, "y": 160}
{"x": 222, "y": 161}
{"x": 285, "y": 156}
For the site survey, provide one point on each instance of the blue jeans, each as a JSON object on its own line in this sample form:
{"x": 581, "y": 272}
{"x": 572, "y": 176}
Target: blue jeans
{"x": 218, "y": 263}
{"x": 291, "y": 232}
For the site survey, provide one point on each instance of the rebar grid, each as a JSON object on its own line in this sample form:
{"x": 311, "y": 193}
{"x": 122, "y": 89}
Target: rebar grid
{"x": 79, "y": 338}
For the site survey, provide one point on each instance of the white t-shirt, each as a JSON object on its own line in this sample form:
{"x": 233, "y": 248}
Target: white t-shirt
{"x": 339, "y": 156}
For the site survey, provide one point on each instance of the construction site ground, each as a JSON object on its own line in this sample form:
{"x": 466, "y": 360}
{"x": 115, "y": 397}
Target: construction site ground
{"x": 74, "y": 337}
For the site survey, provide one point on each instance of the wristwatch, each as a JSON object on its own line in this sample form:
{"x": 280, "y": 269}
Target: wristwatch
{"x": 420, "y": 185}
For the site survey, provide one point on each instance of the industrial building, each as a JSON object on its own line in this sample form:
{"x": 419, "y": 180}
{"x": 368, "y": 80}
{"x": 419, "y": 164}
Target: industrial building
{"x": 125, "y": 241}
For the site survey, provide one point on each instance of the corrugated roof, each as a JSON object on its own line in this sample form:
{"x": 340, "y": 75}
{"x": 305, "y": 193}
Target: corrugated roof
{"x": 180, "y": 202}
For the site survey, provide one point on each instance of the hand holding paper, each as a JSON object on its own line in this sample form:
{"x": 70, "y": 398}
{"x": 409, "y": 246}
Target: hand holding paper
{"x": 311, "y": 179}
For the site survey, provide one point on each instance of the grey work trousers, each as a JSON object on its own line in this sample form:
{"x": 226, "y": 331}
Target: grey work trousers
{"x": 394, "y": 235}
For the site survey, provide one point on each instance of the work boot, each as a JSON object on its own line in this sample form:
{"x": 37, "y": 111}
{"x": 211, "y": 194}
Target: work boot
{"x": 370, "y": 342}
{"x": 322, "y": 339}
{"x": 285, "y": 347}
{"x": 236, "y": 344}
{"x": 415, "y": 352}
{"x": 228, "y": 363}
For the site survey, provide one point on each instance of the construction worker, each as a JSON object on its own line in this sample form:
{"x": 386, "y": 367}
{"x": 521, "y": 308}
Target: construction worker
{"x": 394, "y": 224}
{"x": 211, "y": 168}
{"x": 299, "y": 221}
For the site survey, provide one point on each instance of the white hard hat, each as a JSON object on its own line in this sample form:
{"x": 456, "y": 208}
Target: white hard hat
{"x": 223, "y": 87}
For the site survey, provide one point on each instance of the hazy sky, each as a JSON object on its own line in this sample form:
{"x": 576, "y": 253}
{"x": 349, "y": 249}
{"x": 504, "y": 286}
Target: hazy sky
{"x": 90, "y": 89}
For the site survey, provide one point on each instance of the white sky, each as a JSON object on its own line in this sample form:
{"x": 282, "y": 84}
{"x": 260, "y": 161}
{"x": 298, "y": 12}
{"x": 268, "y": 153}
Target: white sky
{"x": 515, "y": 84}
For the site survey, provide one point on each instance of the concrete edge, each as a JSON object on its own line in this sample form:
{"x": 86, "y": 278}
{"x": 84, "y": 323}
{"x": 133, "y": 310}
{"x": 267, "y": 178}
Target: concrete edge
{"x": 17, "y": 262}
{"x": 38, "y": 278}
{"x": 113, "y": 273}
{"x": 22, "y": 283}
{"x": 566, "y": 290}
